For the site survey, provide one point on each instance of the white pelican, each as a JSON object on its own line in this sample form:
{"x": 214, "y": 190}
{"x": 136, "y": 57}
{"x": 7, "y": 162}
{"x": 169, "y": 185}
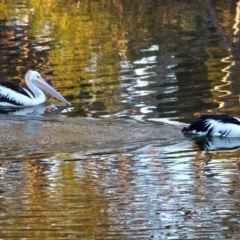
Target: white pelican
{"x": 214, "y": 125}
{"x": 13, "y": 95}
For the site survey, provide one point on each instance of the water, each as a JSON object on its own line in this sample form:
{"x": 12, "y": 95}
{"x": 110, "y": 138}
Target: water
{"x": 112, "y": 166}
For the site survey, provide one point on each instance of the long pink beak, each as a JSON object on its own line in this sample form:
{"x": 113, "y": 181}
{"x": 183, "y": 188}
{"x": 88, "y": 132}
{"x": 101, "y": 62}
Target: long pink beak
{"x": 49, "y": 89}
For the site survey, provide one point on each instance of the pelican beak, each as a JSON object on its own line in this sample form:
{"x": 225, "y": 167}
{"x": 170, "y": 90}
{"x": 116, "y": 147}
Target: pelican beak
{"x": 49, "y": 89}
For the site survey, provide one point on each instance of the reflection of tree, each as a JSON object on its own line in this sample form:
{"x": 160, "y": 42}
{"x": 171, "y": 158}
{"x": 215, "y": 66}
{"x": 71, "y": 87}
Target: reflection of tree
{"x": 101, "y": 50}
{"x": 102, "y": 39}
{"x": 17, "y": 53}
{"x": 48, "y": 200}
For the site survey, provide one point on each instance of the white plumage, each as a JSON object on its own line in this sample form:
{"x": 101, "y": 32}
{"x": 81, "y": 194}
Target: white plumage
{"x": 214, "y": 125}
{"x": 13, "y": 95}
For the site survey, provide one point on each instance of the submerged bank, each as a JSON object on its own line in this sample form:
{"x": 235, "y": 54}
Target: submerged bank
{"x": 23, "y": 135}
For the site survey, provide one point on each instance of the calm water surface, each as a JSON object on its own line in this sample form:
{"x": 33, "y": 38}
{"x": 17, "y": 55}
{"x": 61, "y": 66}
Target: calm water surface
{"x": 126, "y": 67}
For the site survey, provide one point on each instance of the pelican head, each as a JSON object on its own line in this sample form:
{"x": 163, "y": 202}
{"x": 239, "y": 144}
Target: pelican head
{"x": 35, "y": 82}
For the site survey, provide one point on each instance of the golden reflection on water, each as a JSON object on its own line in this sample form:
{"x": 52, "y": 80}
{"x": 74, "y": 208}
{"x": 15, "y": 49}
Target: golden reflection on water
{"x": 49, "y": 202}
{"x": 149, "y": 191}
{"x": 89, "y": 50}
{"x": 226, "y": 79}
{"x": 89, "y": 46}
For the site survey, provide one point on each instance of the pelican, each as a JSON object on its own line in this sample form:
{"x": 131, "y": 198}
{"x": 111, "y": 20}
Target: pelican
{"x": 13, "y": 95}
{"x": 214, "y": 125}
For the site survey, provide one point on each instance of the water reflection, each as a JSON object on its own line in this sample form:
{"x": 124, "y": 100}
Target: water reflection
{"x": 157, "y": 190}
{"x": 45, "y": 109}
{"x": 155, "y": 63}
{"x": 217, "y": 143}
{"x": 138, "y": 59}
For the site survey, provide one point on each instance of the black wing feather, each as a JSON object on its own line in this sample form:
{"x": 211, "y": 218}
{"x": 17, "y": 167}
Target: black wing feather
{"x": 221, "y": 118}
{"x": 201, "y": 124}
{"x": 15, "y": 87}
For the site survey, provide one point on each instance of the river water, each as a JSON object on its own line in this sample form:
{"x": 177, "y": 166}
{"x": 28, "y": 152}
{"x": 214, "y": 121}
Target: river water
{"x": 115, "y": 165}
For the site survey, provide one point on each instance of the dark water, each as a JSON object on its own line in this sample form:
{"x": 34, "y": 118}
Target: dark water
{"x": 106, "y": 167}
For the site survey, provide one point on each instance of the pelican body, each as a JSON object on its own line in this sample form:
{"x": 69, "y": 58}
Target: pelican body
{"x": 13, "y": 95}
{"x": 214, "y": 125}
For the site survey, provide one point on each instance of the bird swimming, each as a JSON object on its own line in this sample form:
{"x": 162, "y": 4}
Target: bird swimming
{"x": 13, "y": 95}
{"x": 214, "y": 125}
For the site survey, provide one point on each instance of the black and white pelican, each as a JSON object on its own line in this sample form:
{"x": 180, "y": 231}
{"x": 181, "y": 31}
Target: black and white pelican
{"x": 214, "y": 125}
{"x": 13, "y": 95}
